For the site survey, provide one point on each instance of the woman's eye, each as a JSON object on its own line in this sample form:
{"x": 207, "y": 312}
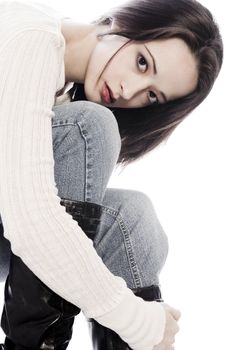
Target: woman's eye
{"x": 143, "y": 65}
{"x": 142, "y": 62}
{"x": 153, "y": 98}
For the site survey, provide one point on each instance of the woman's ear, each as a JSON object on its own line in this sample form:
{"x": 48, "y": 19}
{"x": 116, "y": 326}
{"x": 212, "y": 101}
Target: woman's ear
{"x": 114, "y": 26}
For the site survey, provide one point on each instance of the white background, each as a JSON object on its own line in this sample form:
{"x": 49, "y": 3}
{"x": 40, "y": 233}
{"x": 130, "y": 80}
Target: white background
{"x": 189, "y": 180}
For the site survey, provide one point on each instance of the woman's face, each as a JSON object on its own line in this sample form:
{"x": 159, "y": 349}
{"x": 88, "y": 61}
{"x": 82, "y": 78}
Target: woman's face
{"x": 128, "y": 74}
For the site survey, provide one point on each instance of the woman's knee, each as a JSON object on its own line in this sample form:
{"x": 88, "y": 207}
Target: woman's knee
{"x": 86, "y": 146}
{"x": 97, "y": 122}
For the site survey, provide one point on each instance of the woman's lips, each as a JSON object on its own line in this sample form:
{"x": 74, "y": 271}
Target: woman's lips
{"x": 105, "y": 95}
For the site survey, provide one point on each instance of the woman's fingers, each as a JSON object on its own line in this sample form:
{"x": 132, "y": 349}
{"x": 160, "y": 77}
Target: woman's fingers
{"x": 174, "y": 312}
{"x": 171, "y": 328}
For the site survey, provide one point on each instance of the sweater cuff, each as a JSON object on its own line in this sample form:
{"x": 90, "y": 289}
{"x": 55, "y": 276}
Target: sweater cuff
{"x": 139, "y": 323}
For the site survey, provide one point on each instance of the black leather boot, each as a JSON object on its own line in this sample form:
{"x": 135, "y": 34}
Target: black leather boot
{"x": 87, "y": 215}
{"x": 35, "y": 317}
{"x": 104, "y": 338}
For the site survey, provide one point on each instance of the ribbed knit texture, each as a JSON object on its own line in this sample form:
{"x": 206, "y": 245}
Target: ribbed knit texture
{"x": 41, "y": 233}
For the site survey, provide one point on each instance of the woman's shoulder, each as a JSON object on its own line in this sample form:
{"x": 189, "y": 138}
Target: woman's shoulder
{"x": 29, "y": 15}
{"x": 22, "y": 24}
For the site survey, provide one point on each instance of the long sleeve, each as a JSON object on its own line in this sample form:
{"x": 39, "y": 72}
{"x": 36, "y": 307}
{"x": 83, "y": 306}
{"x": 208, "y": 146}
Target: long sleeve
{"x": 41, "y": 233}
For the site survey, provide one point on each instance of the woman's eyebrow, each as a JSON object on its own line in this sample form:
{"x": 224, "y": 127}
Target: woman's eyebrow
{"x": 155, "y": 71}
{"x": 152, "y": 57}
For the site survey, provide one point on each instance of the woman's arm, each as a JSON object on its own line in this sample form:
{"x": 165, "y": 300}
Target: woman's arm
{"x": 40, "y": 231}
{"x": 45, "y": 237}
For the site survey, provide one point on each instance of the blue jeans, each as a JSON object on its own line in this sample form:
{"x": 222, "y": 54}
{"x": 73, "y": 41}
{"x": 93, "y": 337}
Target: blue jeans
{"x": 86, "y": 146}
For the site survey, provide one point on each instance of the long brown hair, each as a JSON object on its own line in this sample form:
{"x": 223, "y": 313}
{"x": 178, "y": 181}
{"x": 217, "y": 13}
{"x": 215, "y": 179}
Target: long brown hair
{"x": 142, "y": 129}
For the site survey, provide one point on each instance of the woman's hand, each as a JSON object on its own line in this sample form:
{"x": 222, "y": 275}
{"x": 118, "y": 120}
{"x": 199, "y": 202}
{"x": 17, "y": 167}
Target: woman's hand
{"x": 171, "y": 328}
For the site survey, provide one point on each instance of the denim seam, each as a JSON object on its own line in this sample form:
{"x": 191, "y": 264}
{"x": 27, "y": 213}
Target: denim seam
{"x": 88, "y": 167}
{"x": 127, "y": 243}
{"x": 62, "y": 122}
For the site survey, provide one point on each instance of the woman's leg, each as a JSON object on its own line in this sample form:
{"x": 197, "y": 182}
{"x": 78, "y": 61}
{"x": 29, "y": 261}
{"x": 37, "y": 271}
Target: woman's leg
{"x": 130, "y": 239}
{"x": 133, "y": 245}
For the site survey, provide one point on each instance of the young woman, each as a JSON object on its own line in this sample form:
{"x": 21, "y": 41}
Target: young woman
{"x": 138, "y": 72}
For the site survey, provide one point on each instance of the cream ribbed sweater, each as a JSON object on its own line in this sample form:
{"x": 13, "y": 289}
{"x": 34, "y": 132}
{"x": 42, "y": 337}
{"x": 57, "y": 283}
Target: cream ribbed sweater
{"x": 41, "y": 233}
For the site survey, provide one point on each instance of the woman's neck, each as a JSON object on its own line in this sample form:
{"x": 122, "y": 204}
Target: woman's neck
{"x": 80, "y": 41}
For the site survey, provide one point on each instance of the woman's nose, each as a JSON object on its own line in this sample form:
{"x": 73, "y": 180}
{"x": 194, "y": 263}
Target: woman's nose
{"x": 127, "y": 91}
{"x": 132, "y": 89}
